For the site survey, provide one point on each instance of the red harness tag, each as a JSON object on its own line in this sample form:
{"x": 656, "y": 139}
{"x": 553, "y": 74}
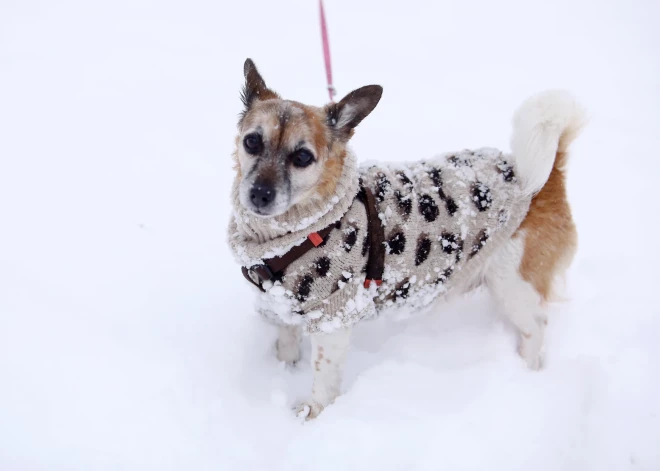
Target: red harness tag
{"x": 367, "y": 283}
{"x": 315, "y": 238}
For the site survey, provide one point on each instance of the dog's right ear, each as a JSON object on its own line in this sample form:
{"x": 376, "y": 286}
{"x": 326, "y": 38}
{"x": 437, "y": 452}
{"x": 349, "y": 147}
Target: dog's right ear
{"x": 255, "y": 88}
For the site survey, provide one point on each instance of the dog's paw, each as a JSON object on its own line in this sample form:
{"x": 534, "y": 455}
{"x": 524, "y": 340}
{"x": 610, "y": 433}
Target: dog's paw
{"x": 532, "y": 357}
{"x": 530, "y": 348}
{"x": 308, "y": 410}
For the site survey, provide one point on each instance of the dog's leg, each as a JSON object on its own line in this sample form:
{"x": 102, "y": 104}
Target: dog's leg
{"x": 518, "y": 299}
{"x": 288, "y": 343}
{"x": 328, "y": 358}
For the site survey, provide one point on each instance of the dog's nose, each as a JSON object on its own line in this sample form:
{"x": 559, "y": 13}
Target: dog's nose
{"x": 262, "y": 195}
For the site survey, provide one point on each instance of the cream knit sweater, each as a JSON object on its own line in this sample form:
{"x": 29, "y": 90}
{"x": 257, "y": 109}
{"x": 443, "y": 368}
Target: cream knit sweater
{"x": 442, "y": 219}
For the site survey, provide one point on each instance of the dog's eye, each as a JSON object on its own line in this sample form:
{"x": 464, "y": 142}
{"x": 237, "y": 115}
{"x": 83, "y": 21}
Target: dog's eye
{"x": 252, "y": 143}
{"x": 302, "y": 158}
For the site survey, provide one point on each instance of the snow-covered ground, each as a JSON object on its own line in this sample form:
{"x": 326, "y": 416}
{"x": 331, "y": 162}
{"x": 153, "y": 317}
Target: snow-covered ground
{"x": 127, "y": 338}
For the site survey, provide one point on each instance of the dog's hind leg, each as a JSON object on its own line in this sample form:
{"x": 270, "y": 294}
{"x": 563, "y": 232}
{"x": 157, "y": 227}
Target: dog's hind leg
{"x": 288, "y": 343}
{"x": 328, "y": 357}
{"x": 518, "y": 299}
{"x": 522, "y": 274}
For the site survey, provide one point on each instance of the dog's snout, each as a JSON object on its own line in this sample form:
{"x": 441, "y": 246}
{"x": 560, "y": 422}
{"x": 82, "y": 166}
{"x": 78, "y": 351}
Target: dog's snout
{"x": 261, "y": 195}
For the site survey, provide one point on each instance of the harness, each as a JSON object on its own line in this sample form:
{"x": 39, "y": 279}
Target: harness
{"x": 272, "y": 268}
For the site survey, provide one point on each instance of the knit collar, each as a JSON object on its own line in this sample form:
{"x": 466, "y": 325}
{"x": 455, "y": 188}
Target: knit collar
{"x": 253, "y": 239}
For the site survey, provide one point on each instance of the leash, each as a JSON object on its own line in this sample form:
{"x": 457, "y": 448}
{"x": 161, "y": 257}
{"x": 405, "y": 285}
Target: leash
{"x": 326, "y": 53}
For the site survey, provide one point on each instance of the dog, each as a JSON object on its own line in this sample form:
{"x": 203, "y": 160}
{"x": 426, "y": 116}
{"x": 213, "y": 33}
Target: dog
{"x": 329, "y": 244}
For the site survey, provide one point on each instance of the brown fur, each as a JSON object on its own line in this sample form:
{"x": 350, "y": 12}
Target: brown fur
{"x": 288, "y": 128}
{"x": 288, "y": 121}
{"x": 316, "y": 120}
{"x": 550, "y": 233}
{"x": 333, "y": 167}
{"x": 305, "y": 123}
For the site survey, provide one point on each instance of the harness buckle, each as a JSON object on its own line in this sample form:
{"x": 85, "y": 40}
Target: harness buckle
{"x": 261, "y": 272}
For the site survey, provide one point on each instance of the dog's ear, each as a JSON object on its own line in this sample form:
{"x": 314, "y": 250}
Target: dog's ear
{"x": 255, "y": 88}
{"x": 344, "y": 116}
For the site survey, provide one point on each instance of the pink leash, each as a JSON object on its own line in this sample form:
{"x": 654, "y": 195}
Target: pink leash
{"x": 326, "y": 53}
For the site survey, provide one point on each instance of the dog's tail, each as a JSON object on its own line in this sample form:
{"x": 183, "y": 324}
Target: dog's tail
{"x": 543, "y": 128}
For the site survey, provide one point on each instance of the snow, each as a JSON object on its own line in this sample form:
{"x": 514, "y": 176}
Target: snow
{"x": 128, "y": 338}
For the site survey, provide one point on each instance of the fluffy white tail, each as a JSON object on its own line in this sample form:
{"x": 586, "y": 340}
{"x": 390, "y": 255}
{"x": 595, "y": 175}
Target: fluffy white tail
{"x": 543, "y": 125}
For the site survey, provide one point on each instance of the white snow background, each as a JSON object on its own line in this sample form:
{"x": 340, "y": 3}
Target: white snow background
{"x": 127, "y": 335}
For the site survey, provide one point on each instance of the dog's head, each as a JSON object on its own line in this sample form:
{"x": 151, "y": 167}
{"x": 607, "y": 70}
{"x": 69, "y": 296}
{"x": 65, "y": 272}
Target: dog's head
{"x": 287, "y": 152}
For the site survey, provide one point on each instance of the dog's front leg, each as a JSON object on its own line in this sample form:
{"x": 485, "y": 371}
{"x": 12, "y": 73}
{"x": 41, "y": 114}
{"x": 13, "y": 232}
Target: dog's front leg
{"x": 288, "y": 343}
{"x": 328, "y": 358}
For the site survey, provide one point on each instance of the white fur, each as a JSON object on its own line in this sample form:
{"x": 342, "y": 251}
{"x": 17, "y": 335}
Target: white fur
{"x": 346, "y": 115}
{"x": 518, "y": 299}
{"x": 288, "y": 343}
{"x": 544, "y": 124}
{"x": 538, "y": 126}
{"x": 328, "y": 357}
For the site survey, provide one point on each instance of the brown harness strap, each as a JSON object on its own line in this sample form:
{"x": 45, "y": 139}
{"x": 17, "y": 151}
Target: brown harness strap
{"x": 376, "y": 234}
{"x": 271, "y": 267}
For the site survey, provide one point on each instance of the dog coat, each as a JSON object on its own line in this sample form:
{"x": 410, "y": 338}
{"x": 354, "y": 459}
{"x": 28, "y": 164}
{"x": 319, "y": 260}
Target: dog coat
{"x": 442, "y": 219}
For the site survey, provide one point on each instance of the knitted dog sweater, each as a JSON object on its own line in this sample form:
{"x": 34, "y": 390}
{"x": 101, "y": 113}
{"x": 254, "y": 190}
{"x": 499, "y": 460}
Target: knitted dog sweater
{"x": 442, "y": 219}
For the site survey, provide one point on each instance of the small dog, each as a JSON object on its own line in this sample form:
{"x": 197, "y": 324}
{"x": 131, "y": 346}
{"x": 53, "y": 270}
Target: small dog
{"x": 329, "y": 244}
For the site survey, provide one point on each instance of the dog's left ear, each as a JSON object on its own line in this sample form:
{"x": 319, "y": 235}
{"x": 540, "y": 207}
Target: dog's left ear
{"x": 255, "y": 88}
{"x": 344, "y": 116}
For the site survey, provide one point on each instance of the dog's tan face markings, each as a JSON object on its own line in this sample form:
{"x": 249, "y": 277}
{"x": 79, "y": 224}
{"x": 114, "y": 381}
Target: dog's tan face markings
{"x": 290, "y": 158}
{"x": 289, "y": 153}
